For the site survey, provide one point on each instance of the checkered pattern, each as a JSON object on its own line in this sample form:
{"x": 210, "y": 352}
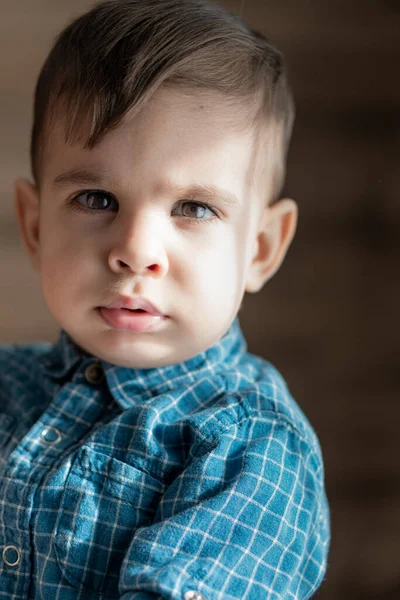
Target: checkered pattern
{"x": 148, "y": 483}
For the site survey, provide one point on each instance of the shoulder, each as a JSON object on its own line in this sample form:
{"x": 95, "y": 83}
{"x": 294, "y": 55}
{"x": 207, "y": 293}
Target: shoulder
{"x": 22, "y": 352}
{"x": 256, "y": 396}
{"x": 19, "y": 362}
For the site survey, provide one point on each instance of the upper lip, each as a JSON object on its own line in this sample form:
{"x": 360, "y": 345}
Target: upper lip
{"x": 136, "y": 303}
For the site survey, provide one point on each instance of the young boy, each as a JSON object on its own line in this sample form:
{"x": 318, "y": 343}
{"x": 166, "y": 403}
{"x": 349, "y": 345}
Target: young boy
{"x": 146, "y": 454}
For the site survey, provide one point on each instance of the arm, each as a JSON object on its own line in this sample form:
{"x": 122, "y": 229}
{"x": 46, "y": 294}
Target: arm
{"x": 246, "y": 519}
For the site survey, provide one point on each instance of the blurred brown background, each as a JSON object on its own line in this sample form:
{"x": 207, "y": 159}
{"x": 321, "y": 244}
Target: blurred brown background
{"x": 329, "y": 319}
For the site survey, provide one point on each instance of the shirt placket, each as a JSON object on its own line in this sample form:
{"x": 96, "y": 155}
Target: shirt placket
{"x": 40, "y": 460}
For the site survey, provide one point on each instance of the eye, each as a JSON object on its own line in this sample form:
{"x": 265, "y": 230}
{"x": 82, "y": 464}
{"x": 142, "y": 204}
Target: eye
{"x": 196, "y": 211}
{"x": 93, "y": 201}
{"x": 96, "y": 201}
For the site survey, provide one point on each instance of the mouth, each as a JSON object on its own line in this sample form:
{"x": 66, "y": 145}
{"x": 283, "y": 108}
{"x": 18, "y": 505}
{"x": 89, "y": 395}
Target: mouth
{"x": 137, "y": 320}
{"x": 137, "y": 305}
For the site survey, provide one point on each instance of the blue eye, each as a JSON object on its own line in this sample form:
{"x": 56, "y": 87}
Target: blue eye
{"x": 196, "y": 210}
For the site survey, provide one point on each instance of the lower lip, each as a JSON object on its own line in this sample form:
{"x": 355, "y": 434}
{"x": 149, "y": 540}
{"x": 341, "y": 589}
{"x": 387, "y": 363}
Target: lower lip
{"x": 120, "y": 318}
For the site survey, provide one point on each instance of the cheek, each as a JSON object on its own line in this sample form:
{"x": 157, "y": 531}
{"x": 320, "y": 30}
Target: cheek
{"x": 230, "y": 257}
{"x": 56, "y": 278}
{"x": 65, "y": 268}
{"x": 64, "y": 249}
{"x": 218, "y": 266}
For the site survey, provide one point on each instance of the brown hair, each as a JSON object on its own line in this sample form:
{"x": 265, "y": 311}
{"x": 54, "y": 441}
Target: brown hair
{"x": 107, "y": 64}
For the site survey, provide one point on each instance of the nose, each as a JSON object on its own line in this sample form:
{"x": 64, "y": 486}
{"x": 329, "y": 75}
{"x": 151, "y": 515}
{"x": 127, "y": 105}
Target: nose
{"x": 138, "y": 248}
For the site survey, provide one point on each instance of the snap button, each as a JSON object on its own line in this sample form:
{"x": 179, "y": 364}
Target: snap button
{"x": 193, "y": 595}
{"x": 9, "y": 553}
{"x": 94, "y": 373}
{"x": 50, "y": 435}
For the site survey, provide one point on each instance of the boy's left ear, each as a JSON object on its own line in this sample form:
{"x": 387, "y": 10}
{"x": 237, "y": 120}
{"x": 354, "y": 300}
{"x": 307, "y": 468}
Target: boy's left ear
{"x": 276, "y": 231}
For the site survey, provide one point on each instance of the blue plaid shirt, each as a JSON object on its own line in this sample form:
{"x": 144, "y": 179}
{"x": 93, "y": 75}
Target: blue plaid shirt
{"x": 198, "y": 480}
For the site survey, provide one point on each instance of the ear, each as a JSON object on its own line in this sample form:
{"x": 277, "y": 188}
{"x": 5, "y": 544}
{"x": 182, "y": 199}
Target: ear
{"x": 26, "y": 197}
{"x": 276, "y": 231}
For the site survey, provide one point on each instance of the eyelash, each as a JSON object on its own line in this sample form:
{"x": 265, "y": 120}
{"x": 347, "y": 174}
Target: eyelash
{"x": 75, "y": 206}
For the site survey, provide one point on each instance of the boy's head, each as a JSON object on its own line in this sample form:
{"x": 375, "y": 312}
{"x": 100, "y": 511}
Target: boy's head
{"x": 160, "y": 135}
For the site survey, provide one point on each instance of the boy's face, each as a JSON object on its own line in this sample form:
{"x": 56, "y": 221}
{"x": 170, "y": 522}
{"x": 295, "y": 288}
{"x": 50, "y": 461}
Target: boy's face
{"x": 137, "y": 235}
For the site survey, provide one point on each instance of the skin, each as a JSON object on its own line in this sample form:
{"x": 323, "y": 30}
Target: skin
{"x": 146, "y": 242}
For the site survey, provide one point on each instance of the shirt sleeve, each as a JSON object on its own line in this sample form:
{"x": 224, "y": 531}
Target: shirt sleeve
{"x": 246, "y": 519}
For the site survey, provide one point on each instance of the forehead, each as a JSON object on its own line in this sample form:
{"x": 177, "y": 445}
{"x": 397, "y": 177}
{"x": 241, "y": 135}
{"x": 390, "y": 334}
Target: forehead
{"x": 203, "y": 110}
{"x": 191, "y": 130}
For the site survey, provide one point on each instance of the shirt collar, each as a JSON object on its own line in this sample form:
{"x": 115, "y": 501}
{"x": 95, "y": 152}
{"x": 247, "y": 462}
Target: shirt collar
{"x": 64, "y": 356}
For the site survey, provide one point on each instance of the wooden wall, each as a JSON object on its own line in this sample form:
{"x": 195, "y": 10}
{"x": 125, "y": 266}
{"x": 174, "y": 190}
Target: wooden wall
{"x": 329, "y": 319}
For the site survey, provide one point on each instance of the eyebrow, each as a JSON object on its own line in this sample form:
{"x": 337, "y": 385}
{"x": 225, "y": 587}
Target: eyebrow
{"x": 206, "y": 191}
